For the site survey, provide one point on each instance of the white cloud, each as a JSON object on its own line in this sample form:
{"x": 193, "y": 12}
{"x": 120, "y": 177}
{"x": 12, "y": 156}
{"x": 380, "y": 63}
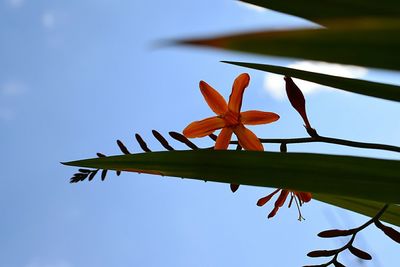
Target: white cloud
{"x": 275, "y": 84}
{"x": 15, "y": 3}
{"x": 48, "y": 20}
{"x": 13, "y": 88}
{"x": 251, "y": 6}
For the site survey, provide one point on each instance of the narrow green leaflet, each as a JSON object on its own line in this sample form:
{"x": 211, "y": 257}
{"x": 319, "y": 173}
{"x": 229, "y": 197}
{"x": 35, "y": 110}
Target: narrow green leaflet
{"x": 371, "y": 44}
{"x": 324, "y": 11}
{"x": 380, "y": 90}
{"x": 362, "y": 206}
{"x": 365, "y": 178}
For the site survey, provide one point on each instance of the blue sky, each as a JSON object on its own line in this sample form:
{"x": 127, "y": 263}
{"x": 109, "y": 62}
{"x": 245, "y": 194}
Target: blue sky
{"x": 77, "y": 75}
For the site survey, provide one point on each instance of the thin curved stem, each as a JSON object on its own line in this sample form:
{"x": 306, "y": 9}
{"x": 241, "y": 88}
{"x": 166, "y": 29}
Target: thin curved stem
{"x": 334, "y": 141}
{"x": 323, "y": 139}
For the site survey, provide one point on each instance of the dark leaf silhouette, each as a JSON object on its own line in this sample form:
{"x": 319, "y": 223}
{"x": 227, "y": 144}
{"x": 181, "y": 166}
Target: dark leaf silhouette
{"x": 316, "y": 44}
{"x": 326, "y": 12}
{"x": 364, "y": 87}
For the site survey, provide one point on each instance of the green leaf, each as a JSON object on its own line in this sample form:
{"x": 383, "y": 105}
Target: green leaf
{"x": 371, "y": 43}
{"x": 365, "y": 178}
{"x": 380, "y": 90}
{"x": 324, "y": 11}
{"x": 362, "y": 206}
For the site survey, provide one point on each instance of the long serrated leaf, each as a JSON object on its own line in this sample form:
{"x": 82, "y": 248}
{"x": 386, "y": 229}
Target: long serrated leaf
{"x": 362, "y": 206}
{"x": 380, "y": 90}
{"x": 324, "y": 11}
{"x": 366, "y": 178}
{"x": 369, "y": 43}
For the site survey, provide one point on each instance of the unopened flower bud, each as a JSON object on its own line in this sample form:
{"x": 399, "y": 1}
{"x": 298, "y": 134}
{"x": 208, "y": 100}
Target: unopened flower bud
{"x": 298, "y": 101}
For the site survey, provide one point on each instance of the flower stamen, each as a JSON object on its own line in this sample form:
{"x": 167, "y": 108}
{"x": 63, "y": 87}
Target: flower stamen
{"x": 298, "y": 209}
{"x": 299, "y": 197}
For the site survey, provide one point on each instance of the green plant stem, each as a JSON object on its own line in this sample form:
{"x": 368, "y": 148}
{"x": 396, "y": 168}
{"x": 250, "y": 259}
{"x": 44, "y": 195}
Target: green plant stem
{"x": 333, "y": 141}
{"x": 324, "y": 139}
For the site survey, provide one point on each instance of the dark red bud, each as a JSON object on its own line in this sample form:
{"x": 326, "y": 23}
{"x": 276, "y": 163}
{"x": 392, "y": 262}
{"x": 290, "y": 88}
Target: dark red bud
{"x": 322, "y": 253}
{"x": 389, "y": 231}
{"x": 338, "y": 264}
{"x": 335, "y": 233}
{"x": 360, "y": 253}
{"x": 297, "y": 100}
{"x": 283, "y": 148}
{"x": 181, "y": 138}
{"x": 162, "y": 140}
{"x": 122, "y": 147}
{"x": 142, "y": 143}
{"x": 92, "y": 175}
{"x": 103, "y": 175}
{"x": 234, "y": 187}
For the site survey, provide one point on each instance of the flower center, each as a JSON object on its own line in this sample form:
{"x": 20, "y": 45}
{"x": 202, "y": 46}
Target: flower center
{"x": 231, "y": 119}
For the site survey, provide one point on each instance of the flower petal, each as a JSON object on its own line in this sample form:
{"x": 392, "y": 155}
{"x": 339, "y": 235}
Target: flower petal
{"x": 214, "y": 100}
{"x": 262, "y": 201}
{"x": 203, "y": 127}
{"x": 247, "y": 139}
{"x": 254, "y": 117}
{"x": 279, "y": 203}
{"x": 223, "y": 139}
{"x": 235, "y": 99}
{"x": 304, "y": 196}
{"x": 273, "y": 212}
{"x": 282, "y": 198}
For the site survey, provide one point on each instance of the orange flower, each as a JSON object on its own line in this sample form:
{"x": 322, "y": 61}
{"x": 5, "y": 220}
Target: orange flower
{"x": 299, "y": 197}
{"x": 229, "y": 118}
{"x": 232, "y": 121}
